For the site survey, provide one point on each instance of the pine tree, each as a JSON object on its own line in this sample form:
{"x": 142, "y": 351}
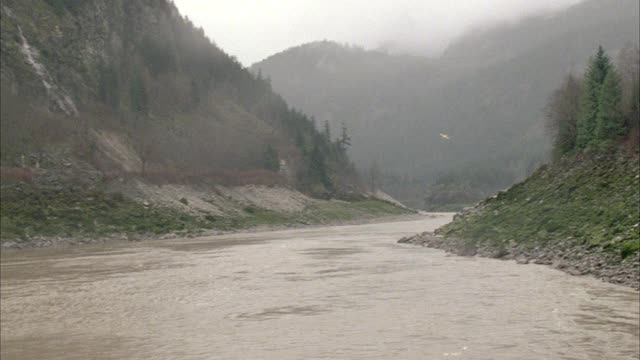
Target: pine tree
{"x": 270, "y": 160}
{"x": 345, "y": 140}
{"x": 610, "y": 122}
{"x": 318, "y": 168}
{"x": 327, "y": 130}
{"x": 589, "y": 102}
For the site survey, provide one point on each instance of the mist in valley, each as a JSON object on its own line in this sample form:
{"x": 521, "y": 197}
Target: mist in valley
{"x": 486, "y": 90}
{"x": 253, "y": 30}
{"x": 292, "y": 179}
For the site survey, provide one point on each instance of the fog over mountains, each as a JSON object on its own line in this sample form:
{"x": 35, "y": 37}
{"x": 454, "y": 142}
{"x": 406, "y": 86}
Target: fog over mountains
{"x": 486, "y": 92}
{"x": 254, "y": 29}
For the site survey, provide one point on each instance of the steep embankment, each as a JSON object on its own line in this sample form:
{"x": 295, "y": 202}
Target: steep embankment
{"x": 71, "y": 202}
{"x": 579, "y": 215}
{"x": 73, "y": 71}
{"x": 37, "y": 217}
{"x": 121, "y": 118}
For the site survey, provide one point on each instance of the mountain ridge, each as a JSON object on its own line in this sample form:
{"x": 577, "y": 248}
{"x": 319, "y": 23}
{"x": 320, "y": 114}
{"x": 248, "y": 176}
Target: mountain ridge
{"x": 121, "y": 118}
{"x": 410, "y": 102}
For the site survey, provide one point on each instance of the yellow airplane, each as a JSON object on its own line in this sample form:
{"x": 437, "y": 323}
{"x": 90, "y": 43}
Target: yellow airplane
{"x": 445, "y": 136}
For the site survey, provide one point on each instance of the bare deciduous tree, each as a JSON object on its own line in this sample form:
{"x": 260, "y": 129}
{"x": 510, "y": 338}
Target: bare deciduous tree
{"x": 562, "y": 115}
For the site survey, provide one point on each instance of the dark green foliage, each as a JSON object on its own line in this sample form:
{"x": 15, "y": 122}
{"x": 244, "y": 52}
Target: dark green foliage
{"x": 591, "y": 202}
{"x": 27, "y": 212}
{"x": 601, "y": 119}
{"x": 629, "y": 248}
{"x": 345, "y": 140}
{"x": 318, "y": 172}
{"x": 589, "y": 102}
{"x": 610, "y": 123}
{"x": 599, "y": 66}
{"x": 327, "y": 131}
{"x": 271, "y": 161}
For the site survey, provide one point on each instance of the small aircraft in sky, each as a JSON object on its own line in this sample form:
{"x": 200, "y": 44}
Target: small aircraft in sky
{"x": 445, "y": 136}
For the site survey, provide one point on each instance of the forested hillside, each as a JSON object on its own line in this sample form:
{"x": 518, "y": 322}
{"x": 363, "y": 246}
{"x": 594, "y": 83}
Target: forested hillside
{"x": 486, "y": 93}
{"x": 81, "y": 76}
{"x": 580, "y": 212}
{"x": 121, "y": 118}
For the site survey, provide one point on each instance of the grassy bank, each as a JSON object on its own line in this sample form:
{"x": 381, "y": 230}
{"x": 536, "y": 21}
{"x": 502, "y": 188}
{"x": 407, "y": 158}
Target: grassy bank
{"x": 326, "y": 212}
{"x": 578, "y": 215}
{"x": 592, "y": 202}
{"x": 28, "y": 213}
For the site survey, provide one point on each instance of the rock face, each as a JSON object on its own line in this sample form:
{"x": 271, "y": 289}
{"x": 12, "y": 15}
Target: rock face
{"x": 575, "y": 260}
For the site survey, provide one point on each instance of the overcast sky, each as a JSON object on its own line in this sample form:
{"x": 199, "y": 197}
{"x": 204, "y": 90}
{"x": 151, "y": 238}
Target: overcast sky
{"x": 254, "y": 29}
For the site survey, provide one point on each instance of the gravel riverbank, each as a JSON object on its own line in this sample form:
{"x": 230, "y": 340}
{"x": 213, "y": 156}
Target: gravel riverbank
{"x": 564, "y": 255}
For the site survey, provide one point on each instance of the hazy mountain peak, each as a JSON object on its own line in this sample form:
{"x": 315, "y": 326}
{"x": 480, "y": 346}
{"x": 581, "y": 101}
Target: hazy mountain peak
{"x": 487, "y": 91}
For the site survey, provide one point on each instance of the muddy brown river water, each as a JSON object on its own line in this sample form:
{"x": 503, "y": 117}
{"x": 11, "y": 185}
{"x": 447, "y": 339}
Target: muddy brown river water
{"x": 345, "y": 292}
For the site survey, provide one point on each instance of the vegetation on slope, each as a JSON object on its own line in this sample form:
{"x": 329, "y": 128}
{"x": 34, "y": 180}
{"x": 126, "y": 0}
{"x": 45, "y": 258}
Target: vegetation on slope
{"x": 590, "y": 194}
{"x": 96, "y": 92}
{"x": 29, "y": 213}
{"x": 138, "y": 68}
{"x": 584, "y": 201}
{"x": 487, "y": 92}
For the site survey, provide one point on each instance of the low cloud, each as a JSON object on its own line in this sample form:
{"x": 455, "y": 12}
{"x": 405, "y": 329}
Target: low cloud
{"x": 254, "y": 29}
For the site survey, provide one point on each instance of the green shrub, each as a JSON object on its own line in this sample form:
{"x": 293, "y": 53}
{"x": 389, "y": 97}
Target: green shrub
{"x": 629, "y": 248}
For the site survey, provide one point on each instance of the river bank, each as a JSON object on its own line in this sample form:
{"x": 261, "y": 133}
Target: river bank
{"x": 51, "y": 212}
{"x": 569, "y": 257}
{"x": 303, "y": 223}
{"x": 578, "y": 214}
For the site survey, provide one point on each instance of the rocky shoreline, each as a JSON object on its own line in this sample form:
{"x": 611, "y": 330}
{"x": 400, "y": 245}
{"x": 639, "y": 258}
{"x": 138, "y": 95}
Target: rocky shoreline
{"x": 563, "y": 255}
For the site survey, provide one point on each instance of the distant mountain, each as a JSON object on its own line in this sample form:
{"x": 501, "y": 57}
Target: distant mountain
{"x": 599, "y": 21}
{"x": 486, "y": 92}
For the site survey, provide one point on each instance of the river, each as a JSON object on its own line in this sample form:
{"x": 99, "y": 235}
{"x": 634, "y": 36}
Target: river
{"x": 344, "y": 292}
